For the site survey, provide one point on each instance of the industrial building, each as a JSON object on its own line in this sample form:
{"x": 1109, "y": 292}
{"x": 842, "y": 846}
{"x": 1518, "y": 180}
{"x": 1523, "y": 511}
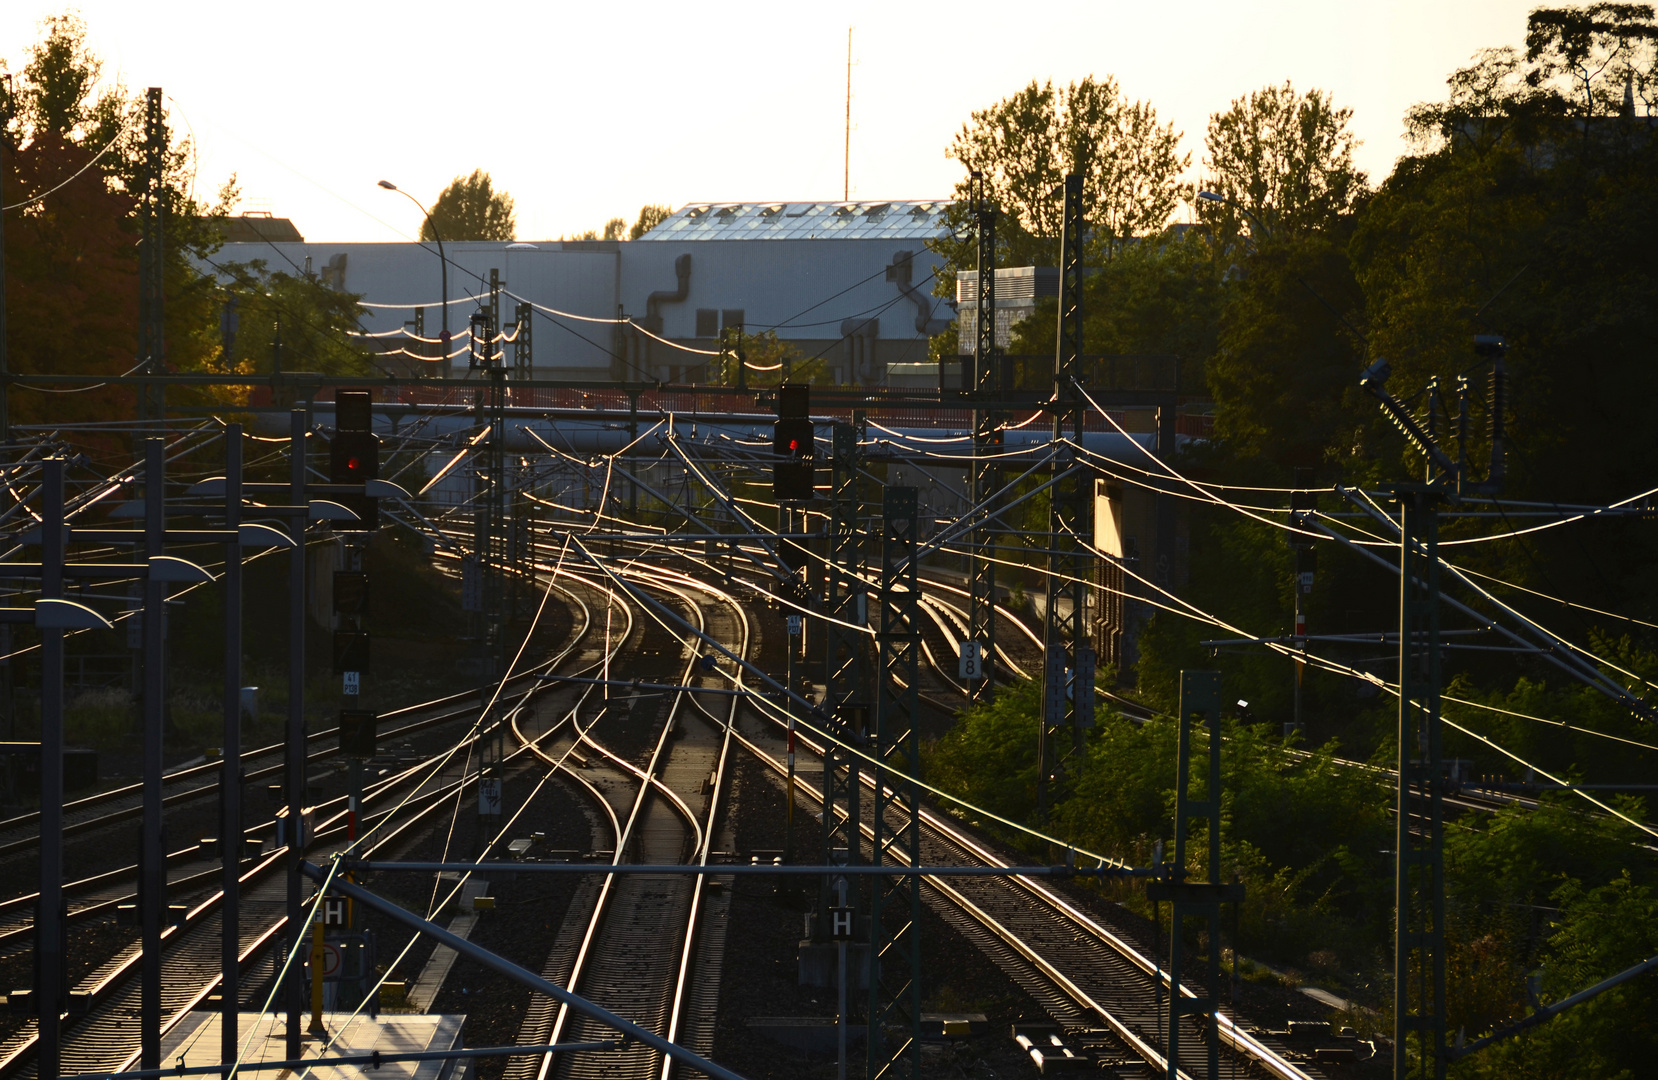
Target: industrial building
{"x": 850, "y": 283}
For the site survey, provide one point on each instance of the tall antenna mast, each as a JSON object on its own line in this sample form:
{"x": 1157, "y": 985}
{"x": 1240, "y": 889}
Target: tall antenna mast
{"x": 846, "y": 173}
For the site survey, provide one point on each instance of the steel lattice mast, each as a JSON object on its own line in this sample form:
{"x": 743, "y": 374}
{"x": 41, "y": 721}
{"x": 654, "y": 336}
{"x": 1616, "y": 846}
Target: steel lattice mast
{"x": 1068, "y": 666}
{"x": 846, "y": 695}
{"x": 987, "y": 445}
{"x": 151, "y": 334}
{"x": 895, "y": 820}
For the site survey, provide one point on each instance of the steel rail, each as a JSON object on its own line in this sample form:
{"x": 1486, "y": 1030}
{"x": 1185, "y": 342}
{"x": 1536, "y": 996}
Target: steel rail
{"x": 588, "y": 963}
{"x": 175, "y": 937}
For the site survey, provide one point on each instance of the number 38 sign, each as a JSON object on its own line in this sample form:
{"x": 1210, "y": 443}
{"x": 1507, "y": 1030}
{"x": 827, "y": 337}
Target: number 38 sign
{"x": 972, "y": 660}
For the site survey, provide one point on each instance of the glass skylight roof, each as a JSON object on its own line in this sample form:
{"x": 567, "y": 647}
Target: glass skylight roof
{"x": 804, "y": 221}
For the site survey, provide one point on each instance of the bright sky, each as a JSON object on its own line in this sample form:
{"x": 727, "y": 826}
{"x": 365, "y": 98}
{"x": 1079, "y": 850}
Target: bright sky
{"x": 586, "y": 111}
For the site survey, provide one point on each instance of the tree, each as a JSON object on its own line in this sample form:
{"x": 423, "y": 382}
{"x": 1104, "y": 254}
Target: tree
{"x": 76, "y": 159}
{"x": 1163, "y": 296}
{"x": 650, "y": 216}
{"x": 1600, "y": 52}
{"x": 55, "y": 94}
{"x": 1024, "y": 145}
{"x": 770, "y": 360}
{"x": 76, "y": 156}
{"x": 1282, "y": 159}
{"x": 70, "y": 278}
{"x": 613, "y": 230}
{"x": 313, "y": 322}
{"x": 471, "y": 209}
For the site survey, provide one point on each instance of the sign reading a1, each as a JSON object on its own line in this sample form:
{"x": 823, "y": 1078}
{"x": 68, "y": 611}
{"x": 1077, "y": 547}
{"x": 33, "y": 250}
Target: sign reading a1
{"x": 972, "y": 662}
{"x": 794, "y": 625}
{"x": 353, "y": 683}
{"x": 489, "y": 796}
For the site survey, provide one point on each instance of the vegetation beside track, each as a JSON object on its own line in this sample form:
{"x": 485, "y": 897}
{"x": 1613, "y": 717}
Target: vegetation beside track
{"x": 1548, "y": 890}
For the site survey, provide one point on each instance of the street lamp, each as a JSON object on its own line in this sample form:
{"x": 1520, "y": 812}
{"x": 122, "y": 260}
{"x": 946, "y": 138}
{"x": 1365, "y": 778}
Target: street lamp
{"x": 443, "y": 261}
{"x": 1216, "y": 197}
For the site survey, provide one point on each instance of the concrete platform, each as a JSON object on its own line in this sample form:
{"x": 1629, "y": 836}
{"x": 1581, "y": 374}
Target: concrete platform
{"x": 196, "y": 1040}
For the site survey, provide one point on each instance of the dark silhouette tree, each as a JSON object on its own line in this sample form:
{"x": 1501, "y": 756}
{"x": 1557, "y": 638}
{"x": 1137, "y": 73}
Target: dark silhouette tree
{"x": 650, "y": 216}
{"x": 471, "y": 209}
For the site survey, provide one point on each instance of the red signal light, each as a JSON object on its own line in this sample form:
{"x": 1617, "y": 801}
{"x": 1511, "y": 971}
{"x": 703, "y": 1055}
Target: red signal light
{"x": 794, "y": 445}
{"x": 353, "y": 464}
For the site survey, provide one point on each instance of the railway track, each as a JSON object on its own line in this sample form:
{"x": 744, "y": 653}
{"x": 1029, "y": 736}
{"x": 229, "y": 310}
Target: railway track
{"x": 21, "y": 834}
{"x": 1088, "y": 977}
{"x": 630, "y": 942}
{"x": 106, "y": 1035}
{"x": 655, "y": 780}
{"x": 1085, "y": 975}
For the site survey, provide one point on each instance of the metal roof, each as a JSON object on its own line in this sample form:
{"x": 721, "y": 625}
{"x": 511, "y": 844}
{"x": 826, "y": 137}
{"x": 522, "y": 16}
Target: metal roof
{"x": 897, "y": 220}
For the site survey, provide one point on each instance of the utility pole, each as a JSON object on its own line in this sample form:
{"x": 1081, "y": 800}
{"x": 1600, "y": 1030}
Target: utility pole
{"x": 8, "y": 704}
{"x": 53, "y": 614}
{"x": 987, "y": 446}
{"x": 1068, "y": 670}
{"x": 521, "y": 356}
{"x": 846, "y": 170}
{"x": 276, "y": 345}
{"x": 1419, "y": 845}
{"x": 230, "y": 758}
{"x": 494, "y": 297}
{"x": 1419, "y": 883}
{"x": 846, "y": 695}
{"x": 1302, "y": 503}
{"x": 152, "y": 347}
{"x": 488, "y": 545}
{"x": 5, "y": 358}
{"x": 152, "y": 855}
{"x": 51, "y": 915}
{"x": 1199, "y": 706}
{"x": 294, "y": 749}
{"x": 895, "y": 816}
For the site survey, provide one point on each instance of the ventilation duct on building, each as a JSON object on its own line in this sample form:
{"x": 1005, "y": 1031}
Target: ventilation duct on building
{"x": 858, "y": 336}
{"x": 900, "y": 273}
{"x": 653, "y": 303}
{"x": 333, "y": 272}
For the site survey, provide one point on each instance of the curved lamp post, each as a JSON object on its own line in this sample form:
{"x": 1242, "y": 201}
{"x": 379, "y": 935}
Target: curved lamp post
{"x": 443, "y": 261}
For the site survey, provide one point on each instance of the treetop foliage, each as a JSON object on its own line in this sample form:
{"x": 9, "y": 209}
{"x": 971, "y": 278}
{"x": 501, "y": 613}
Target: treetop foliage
{"x": 471, "y": 209}
{"x": 1025, "y": 144}
{"x": 1283, "y": 161}
{"x": 76, "y": 158}
{"x": 1527, "y": 207}
{"x": 650, "y": 216}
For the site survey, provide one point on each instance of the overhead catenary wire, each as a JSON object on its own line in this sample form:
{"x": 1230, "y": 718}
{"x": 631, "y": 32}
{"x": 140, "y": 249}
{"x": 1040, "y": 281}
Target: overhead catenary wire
{"x": 76, "y": 175}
